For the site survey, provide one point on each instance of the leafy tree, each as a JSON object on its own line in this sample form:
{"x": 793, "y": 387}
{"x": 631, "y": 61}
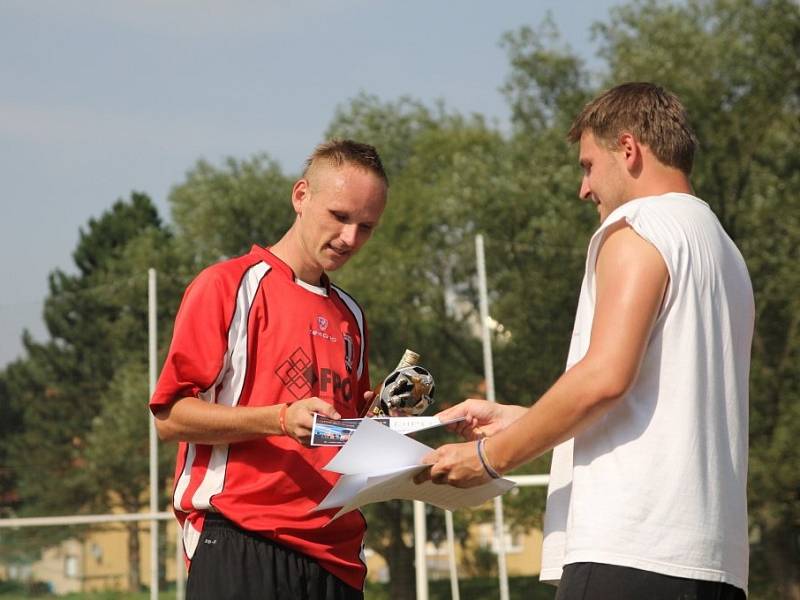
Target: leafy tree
{"x": 547, "y": 85}
{"x": 61, "y": 389}
{"x": 220, "y": 212}
{"x": 57, "y": 388}
{"x": 116, "y": 453}
{"x": 393, "y": 127}
{"x": 10, "y": 425}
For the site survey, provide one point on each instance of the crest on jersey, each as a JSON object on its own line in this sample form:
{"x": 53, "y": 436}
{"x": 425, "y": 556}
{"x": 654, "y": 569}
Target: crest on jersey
{"x": 298, "y": 374}
{"x": 323, "y": 323}
{"x": 348, "y": 352}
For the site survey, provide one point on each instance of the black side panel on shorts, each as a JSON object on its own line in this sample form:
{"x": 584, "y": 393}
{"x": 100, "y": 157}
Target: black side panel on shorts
{"x": 233, "y": 564}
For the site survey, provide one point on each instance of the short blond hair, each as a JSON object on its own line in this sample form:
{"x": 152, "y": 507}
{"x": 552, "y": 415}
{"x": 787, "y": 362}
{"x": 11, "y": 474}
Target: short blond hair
{"x": 653, "y": 115}
{"x": 338, "y": 152}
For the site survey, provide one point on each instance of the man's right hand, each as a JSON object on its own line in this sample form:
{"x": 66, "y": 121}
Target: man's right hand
{"x": 481, "y": 417}
{"x": 299, "y": 417}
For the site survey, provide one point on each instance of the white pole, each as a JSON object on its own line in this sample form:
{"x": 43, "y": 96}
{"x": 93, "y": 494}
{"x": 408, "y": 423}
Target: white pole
{"x": 451, "y": 554}
{"x": 488, "y": 367}
{"x": 151, "y": 333}
{"x": 180, "y": 566}
{"x": 420, "y": 541}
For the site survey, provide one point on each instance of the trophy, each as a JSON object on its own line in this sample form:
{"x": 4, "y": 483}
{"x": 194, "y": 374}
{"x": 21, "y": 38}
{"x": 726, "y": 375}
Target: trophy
{"x": 407, "y": 391}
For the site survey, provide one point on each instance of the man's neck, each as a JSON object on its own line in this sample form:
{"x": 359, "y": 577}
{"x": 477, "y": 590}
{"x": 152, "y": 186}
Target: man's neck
{"x": 290, "y": 251}
{"x": 661, "y": 180}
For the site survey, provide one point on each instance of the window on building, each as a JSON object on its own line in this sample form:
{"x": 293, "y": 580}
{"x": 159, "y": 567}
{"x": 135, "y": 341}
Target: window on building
{"x": 71, "y": 566}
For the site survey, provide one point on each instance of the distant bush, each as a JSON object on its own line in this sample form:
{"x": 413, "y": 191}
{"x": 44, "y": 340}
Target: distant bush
{"x": 13, "y": 589}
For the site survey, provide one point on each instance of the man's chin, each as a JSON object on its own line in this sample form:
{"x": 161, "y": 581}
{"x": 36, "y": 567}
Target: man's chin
{"x": 332, "y": 264}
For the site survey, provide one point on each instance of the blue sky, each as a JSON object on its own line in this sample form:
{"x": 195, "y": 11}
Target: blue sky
{"x": 101, "y": 98}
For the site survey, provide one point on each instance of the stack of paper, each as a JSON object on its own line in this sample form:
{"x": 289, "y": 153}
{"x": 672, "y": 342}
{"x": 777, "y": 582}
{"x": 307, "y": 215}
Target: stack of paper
{"x": 335, "y": 432}
{"x": 379, "y": 464}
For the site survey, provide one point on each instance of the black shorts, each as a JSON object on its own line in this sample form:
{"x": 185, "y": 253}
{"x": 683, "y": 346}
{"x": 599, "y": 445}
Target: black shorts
{"x": 231, "y": 563}
{"x": 597, "y": 581}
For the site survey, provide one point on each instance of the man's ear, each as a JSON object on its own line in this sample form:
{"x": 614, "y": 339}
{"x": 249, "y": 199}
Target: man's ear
{"x": 631, "y": 152}
{"x": 300, "y": 194}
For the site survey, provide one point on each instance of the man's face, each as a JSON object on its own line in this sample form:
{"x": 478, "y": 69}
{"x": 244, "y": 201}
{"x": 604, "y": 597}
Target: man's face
{"x": 603, "y": 180}
{"x": 338, "y": 208}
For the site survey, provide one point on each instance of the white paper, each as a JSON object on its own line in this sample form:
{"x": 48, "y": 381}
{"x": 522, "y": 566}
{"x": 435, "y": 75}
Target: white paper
{"x": 408, "y": 425}
{"x": 335, "y": 432}
{"x": 379, "y": 464}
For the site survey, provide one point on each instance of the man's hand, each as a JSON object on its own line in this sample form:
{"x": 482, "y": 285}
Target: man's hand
{"x": 368, "y": 397}
{"x": 481, "y": 417}
{"x": 299, "y": 417}
{"x": 455, "y": 464}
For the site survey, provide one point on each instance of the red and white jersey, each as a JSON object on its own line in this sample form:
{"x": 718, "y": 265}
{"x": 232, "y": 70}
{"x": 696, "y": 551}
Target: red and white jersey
{"x": 248, "y": 333}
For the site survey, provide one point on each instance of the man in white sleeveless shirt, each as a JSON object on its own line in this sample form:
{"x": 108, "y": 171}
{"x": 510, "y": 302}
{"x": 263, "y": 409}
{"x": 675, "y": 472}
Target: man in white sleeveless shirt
{"x": 647, "y": 496}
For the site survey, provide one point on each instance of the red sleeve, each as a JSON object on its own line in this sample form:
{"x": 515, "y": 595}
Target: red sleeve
{"x": 199, "y": 339}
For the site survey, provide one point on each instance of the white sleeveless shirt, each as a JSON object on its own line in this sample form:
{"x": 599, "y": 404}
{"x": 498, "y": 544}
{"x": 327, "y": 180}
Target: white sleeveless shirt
{"x": 659, "y": 482}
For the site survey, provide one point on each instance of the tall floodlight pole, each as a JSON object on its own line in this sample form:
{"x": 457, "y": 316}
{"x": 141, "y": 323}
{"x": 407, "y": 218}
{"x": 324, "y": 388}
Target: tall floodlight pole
{"x": 499, "y": 529}
{"x": 152, "y": 349}
{"x": 420, "y": 542}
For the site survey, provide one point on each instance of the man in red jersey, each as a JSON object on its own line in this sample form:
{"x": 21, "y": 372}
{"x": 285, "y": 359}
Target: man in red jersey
{"x": 261, "y": 342}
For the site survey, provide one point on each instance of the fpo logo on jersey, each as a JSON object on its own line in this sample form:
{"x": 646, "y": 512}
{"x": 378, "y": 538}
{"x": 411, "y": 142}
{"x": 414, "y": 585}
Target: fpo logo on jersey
{"x": 299, "y": 374}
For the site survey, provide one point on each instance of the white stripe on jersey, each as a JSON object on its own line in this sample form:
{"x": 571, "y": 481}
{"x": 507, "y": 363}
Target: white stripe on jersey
{"x": 208, "y": 395}
{"x": 183, "y": 480}
{"x": 231, "y": 377}
{"x": 359, "y": 316}
{"x": 191, "y": 537}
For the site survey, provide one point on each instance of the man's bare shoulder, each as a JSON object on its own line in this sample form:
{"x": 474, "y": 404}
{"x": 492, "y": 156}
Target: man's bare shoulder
{"x": 623, "y": 247}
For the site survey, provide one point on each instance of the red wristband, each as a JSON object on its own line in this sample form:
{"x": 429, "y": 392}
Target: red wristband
{"x": 282, "y": 418}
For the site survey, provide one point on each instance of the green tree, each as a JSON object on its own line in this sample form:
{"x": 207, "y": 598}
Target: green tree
{"x": 9, "y": 426}
{"x": 96, "y": 320}
{"x": 392, "y": 127}
{"x": 116, "y": 453}
{"x": 536, "y": 231}
{"x": 219, "y": 212}
{"x": 57, "y": 388}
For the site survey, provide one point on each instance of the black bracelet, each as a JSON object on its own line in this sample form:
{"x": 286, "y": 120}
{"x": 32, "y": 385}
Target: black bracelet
{"x": 492, "y": 473}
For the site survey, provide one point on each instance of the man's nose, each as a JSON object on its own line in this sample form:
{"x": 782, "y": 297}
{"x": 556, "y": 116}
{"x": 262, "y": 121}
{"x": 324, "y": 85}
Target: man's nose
{"x": 584, "y": 192}
{"x": 349, "y": 234}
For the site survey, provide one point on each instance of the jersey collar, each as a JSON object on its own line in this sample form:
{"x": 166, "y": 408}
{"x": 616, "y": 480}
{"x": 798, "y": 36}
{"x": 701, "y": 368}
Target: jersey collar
{"x": 277, "y": 263}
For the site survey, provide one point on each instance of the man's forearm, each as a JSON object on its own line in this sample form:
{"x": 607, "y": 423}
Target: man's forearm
{"x": 195, "y": 420}
{"x": 578, "y": 398}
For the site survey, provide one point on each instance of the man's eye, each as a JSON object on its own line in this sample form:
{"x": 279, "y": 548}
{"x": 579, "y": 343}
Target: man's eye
{"x": 341, "y": 217}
